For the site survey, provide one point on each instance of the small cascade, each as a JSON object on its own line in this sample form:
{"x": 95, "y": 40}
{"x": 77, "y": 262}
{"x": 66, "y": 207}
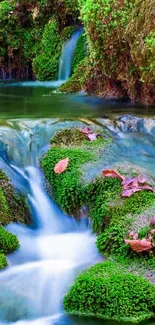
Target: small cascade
{"x": 3, "y": 74}
{"x": 53, "y": 252}
{"x": 65, "y": 64}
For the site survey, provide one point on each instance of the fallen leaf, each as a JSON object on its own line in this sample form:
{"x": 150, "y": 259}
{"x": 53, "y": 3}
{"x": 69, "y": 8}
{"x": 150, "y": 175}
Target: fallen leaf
{"x": 131, "y": 233}
{"x": 129, "y": 182}
{"x": 86, "y": 130}
{"x": 135, "y": 236}
{"x": 139, "y": 246}
{"x": 61, "y": 166}
{"x": 89, "y": 133}
{"x": 112, "y": 173}
{"x": 92, "y": 136}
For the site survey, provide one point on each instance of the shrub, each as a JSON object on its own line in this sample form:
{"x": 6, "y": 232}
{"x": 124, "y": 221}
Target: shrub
{"x": 104, "y": 291}
{"x": 8, "y": 241}
{"x": 46, "y": 63}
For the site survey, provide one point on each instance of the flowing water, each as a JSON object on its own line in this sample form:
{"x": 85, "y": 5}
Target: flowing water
{"x": 65, "y": 65}
{"x": 56, "y": 248}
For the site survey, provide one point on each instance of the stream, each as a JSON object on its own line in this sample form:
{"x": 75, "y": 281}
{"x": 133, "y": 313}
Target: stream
{"x": 56, "y": 248}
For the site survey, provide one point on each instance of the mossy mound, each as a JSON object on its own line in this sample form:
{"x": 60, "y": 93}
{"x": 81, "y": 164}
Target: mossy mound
{"x": 112, "y": 216}
{"x": 13, "y": 207}
{"x": 68, "y": 137}
{"x": 78, "y": 80}
{"x": 105, "y": 291}
{"x": 8, "y": 241}
{"x": 68, "y": 189}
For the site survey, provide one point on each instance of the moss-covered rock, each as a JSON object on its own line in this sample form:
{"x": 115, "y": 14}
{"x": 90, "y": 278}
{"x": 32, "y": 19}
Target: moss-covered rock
{"x": 8, "y": 241}
{"x": 68, "y": 189}
{"x": 112, "y": 216}
{"x": 13, "y": 207}
{"x": 78, "y": 80}
{"x": 107, "y": 291}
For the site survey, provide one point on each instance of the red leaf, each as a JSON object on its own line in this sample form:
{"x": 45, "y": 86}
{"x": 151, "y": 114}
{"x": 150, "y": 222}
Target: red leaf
{"x": 139, "y": 246}
{"x": 61, "y": 166}
{"x": 112, "y": 173}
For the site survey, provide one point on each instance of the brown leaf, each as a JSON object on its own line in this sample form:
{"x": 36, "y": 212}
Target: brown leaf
{"x": 61, "y": 166}
{"x": 139, "y": 246}
{"x": 112, "y": 173}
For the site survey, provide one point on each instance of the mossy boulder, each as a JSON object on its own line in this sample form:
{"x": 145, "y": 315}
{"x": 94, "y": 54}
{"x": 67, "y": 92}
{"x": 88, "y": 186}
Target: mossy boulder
{"x": 68, "y": 188}
{"x": 108, "y": 292}
{"x": 8, "y": 242}
{"x": 13, "y": 207}
{"x": 112, "y": 216}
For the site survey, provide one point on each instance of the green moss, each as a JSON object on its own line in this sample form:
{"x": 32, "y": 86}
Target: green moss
{"x": 13, "y": 207}
{"x": 3, "y": 261}
{"x": 69, "y": 137}
{"x": 80, "y": 53}
{"x": 46, "y": 63}
{"x": 67, "y": 187}
{"x": 77, "y": 81}
{"x": 105, "y": 291}
{"x": 8, "y": 241}
{"x": 121, "y": 215}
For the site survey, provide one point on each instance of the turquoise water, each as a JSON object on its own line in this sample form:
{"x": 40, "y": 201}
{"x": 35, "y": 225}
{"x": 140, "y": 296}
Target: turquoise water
{"x": 37, "y": 99}
{"x": 29, "y": 100}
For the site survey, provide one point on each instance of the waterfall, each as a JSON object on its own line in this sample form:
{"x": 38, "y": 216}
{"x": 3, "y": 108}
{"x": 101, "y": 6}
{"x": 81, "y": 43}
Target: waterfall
{"x": 51, "y": 254}
{"x": 65, "y": 64}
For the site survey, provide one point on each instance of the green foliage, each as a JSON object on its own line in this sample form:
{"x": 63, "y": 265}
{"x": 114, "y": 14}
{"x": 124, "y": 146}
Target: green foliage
{"x": 77, "y": 81}
{"x": 32, "y": 38}
{"x": 81, "y": 52}
{"x": 69, "y": 137}
{"x": 3, "y": 261}
{"x": 67, "y": 187}
{"x": 13, "y": 207}
{"x": 8, "y": 241}
{"x": 46, "y": 63}
{"x": 121, "y": 214}
{"x": 105, "y": 291}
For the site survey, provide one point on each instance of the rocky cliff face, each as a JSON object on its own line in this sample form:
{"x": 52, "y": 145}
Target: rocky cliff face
{"x": 120, "y": 36}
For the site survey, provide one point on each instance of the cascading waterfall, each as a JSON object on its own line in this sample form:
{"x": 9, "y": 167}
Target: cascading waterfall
{"x": 65, "y": 64}
{"x": 50, "y": 255}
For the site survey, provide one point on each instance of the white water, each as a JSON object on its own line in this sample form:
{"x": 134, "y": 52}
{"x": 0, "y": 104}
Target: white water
{"x": 65, "y": 64}
{"x": 50, "y": 256}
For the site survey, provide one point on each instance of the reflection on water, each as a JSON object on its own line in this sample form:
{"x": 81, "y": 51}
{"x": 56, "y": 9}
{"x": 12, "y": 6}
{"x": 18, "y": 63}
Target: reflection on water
{"x": 37, "y": 99}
